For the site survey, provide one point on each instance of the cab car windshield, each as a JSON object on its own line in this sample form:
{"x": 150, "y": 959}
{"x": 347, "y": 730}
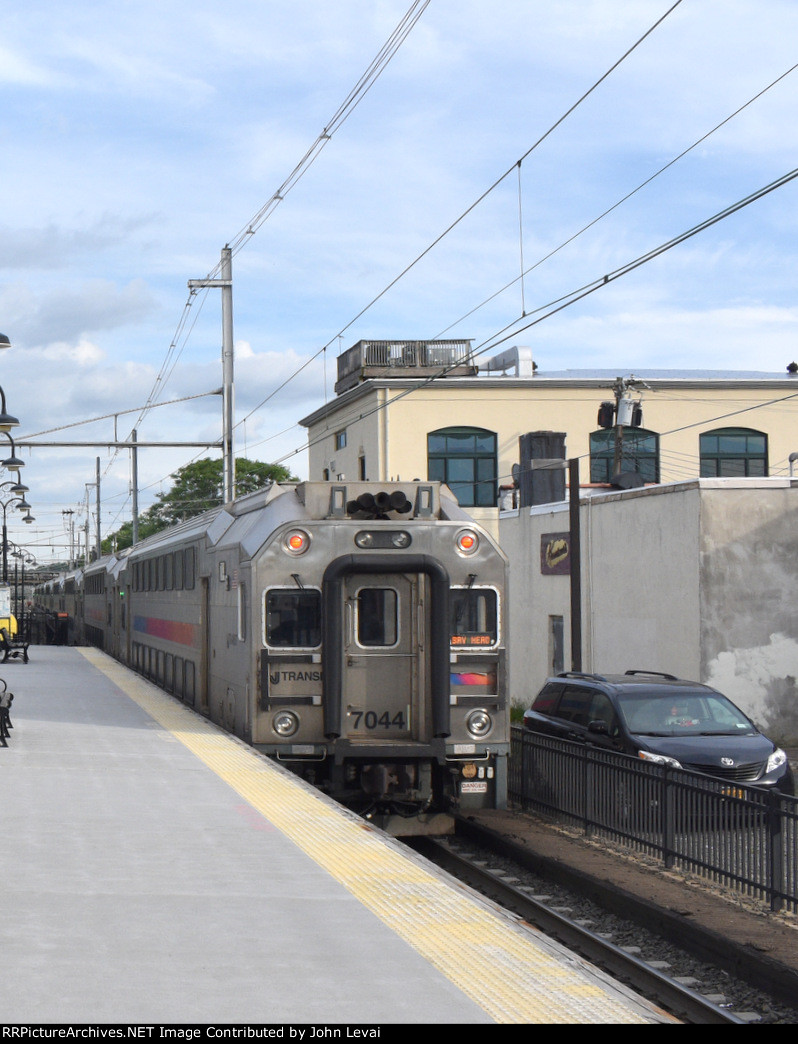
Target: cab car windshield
{"x": 696, "y": 714}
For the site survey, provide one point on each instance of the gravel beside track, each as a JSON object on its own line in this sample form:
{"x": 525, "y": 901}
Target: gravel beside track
{"x": 688, "y": 911}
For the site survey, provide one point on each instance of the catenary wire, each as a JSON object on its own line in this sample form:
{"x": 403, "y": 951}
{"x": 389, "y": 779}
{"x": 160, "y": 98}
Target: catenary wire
{"x": 482, "y": 197}
{"x": 511, "y": 330}
{"x": 353, "y": 99}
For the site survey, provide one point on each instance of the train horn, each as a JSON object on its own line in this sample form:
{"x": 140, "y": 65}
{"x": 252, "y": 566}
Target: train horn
{"x": 400, "y": 503}
{"x": 378, "y": 505}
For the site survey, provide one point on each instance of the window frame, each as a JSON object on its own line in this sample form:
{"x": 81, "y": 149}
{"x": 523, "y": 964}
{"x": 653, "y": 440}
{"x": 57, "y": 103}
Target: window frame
{"x": 443, "y": 457}
{"x": 296, "y": 592}
{"x": 602, "y": 461}
{"x": 467, "y": 638}
{"x": 719, "y": 456}
{"x": 391, "y": 617}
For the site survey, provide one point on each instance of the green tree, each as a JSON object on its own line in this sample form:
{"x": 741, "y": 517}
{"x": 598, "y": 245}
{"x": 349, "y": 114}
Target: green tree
{"x": 197, "y": 487}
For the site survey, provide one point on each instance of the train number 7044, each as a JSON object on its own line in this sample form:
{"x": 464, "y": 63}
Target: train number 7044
{"x": 371, "y": 720}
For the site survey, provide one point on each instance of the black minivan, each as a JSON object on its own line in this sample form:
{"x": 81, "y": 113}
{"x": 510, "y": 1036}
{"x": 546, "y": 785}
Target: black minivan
{"x": 662, "y": 719}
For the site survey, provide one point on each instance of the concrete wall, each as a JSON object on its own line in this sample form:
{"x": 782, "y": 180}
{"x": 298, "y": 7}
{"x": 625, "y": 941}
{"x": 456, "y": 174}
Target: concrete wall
{"x": 640, "y": 590}
{"x": 749, "y": 601}
{"x": 696, "y": 579}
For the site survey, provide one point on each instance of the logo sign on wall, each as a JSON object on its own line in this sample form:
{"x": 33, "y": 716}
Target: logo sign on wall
{"x": 555, "y": 554}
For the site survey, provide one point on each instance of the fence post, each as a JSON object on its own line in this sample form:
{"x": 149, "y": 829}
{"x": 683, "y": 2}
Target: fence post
{"x": 776, "y": 860}
{"x": 668, "y": 828}
{"x": 588, "y": 786}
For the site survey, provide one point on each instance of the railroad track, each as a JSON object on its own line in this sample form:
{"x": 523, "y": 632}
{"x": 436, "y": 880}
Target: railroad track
{"x": 492, "y": 877}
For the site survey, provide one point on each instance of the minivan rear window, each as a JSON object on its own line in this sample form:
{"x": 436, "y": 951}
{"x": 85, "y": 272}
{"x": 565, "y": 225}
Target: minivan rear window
{"x": 546, "y": 700}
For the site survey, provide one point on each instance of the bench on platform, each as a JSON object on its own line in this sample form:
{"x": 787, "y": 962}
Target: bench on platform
{"x": 13, "y": 645}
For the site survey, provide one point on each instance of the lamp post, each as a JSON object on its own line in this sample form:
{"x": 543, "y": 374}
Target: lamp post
{"x": 18, "y": 498}
{"x": 12, "y": 464}
{"x": 22, "y": 558}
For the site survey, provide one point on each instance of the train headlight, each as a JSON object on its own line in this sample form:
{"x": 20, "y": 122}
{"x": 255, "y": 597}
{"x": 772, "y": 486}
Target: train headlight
{"x": 467, "y": 542}
{"x": 479, "y": 723}
{"x": 296, "y": 542}
{"x": 285, "y": 723}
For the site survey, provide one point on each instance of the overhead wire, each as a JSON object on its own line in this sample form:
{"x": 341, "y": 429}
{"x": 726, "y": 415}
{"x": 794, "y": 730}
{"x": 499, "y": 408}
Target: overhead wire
{"x": 363, "y": 85}
{"x": 519, "y": 325}
{"x": 567, "y": 242}
{"x": 344, "y": 111}
{"x": 484, "y": 195}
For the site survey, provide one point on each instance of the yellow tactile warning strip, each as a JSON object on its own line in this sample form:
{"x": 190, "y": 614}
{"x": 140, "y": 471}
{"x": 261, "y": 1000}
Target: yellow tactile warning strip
{"x": 501, "y": 968}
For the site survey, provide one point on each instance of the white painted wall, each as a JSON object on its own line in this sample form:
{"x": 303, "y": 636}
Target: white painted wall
{"x": 697, "y": 579}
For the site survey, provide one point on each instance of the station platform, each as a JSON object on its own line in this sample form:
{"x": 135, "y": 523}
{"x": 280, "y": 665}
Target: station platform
{"x": 156, "y": 870}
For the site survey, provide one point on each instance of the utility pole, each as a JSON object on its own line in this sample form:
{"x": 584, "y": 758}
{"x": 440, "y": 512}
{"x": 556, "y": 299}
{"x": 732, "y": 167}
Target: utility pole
{"x": 99, "y": 542}
{"x": 624, "y": 413}
{"x": 225, "y": 284}
{"x": 69, "y": 513}
{"x": 575, "y": 555}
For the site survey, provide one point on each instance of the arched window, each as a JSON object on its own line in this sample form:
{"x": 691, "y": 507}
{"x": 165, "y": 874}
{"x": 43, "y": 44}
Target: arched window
{"x": 639, "y": 452}
{"x": 465, "y": 459}
{"x": 733, "y": 453}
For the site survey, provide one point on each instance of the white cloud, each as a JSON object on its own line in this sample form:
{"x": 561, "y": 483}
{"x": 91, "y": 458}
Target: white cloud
{"x": 138, "y": 140}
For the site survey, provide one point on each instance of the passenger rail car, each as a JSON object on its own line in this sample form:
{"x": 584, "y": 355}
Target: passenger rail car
{"x": 62, "y": 596}
{"x": 354, "y": 633}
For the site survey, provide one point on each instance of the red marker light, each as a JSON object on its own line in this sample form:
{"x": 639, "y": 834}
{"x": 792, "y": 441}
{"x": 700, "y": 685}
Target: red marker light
{"x": 467, "y": 542}
{"x": 297, "y": 542}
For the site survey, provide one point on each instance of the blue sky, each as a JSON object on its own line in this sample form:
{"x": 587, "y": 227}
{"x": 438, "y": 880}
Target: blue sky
{"x": 140, "y": 137}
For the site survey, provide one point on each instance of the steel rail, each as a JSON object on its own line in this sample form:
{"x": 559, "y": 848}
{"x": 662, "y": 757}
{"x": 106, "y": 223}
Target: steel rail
{"x": 652, "y": 984}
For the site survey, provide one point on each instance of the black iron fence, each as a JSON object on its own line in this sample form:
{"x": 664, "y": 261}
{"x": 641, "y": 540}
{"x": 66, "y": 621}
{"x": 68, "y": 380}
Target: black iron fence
{"x": 740, "y": 837}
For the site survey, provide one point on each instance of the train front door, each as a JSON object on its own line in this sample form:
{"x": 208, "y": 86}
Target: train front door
{"x": 384, "y": 656}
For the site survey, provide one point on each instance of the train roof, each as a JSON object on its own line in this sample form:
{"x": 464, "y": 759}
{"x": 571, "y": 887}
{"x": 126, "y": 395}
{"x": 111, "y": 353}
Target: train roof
{"x": 248, "y": 522}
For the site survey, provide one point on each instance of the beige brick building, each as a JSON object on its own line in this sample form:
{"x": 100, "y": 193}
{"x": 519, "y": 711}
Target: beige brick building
{"x": 408, "y": 409}
{"x": 693, "y": 574}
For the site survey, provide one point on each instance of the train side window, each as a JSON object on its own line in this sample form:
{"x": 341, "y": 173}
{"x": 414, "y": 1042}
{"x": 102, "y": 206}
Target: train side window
{"x": 179, "y": 676}
{"x": 377, "y": 623}
{"x": 169, "y": 673}
{"x": 178, "y": 570}
{"x": 293, "y": 618}
{"x": 167, "y": 573}
{"x": 189, "y": 694}
{"x": 473, "y": 616}
{"x": 188, "y": 575}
